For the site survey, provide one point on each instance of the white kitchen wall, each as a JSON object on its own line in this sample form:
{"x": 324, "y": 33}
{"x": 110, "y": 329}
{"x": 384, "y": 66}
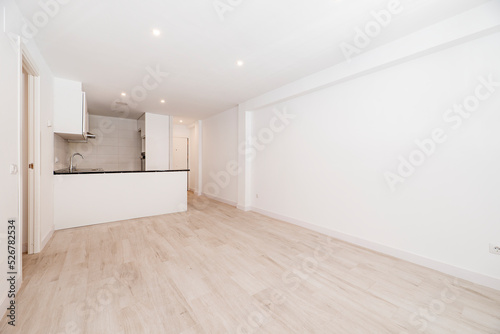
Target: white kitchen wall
{"x": 117, "y": 145}
{"x": 327, "y": 167}
{"x": 220, "y": 154}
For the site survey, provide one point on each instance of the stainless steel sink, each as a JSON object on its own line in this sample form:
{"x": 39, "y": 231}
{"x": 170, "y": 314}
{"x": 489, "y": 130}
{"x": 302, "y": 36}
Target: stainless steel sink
{"x": 87, "y": 170}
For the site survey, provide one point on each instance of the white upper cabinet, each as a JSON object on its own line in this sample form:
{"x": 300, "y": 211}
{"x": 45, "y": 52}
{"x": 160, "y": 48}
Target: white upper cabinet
{"x": 70, "y": 110}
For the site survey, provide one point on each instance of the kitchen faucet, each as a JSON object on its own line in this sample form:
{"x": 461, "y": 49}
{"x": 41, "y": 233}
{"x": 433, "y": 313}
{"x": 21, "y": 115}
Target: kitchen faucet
{"x": 71, "y": 161}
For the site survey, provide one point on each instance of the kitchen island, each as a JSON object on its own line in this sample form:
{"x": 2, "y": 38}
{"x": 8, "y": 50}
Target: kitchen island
{"x": 91, "y": 197}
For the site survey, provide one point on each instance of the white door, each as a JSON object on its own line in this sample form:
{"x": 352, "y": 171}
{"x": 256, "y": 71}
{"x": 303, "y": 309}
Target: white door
{"x": 180, "y": 153}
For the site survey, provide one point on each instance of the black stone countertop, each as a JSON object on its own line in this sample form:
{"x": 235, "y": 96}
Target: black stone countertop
{"x": 96, "y": 171}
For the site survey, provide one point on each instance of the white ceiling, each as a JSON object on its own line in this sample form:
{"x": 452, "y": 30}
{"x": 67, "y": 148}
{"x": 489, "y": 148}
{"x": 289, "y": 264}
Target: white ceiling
{"x": 108, "y": 45}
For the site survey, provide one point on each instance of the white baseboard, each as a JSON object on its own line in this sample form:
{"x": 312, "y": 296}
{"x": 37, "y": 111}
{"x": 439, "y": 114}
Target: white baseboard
{"x": 44, "y": 241}
{"x": 219, "y": 199}
{"x": 47, "y": 238}
{"x": 244, "y": 208}
{"x": 445, "y": 268}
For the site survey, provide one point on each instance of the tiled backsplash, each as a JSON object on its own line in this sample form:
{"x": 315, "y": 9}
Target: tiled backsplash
{"x": 61, "y": 153}
{"x": 117, "y": 145}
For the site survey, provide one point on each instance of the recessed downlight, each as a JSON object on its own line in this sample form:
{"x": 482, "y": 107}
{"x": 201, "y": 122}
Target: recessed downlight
{"x": 240, "y": 63}
{"x": 124, "y": 94}
{"x": 156, "y": 32}
{"x": 180, "y": 121}
{"x": 162, "y": 101}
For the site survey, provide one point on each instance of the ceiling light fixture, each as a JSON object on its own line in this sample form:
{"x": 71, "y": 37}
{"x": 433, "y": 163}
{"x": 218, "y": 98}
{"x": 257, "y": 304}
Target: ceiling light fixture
{"x": 180, "y": 121}
{"x": 240, "y": 63}
{"x": 156, "y": 32}
{"x": 162, "y": 101}
{"x": 124, "y": 94}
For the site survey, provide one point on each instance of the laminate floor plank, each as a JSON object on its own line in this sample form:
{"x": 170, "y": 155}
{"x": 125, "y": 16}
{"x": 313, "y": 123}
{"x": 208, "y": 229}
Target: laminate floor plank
{"x": 216, "y": 269}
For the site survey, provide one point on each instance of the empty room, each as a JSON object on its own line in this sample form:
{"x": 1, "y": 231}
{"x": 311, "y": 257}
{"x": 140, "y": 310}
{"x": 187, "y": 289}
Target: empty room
{"x": 250, "y": 167}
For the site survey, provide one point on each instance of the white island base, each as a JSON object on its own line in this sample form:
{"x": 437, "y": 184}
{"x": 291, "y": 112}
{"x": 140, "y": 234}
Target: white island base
{"x": 95, "y": 198}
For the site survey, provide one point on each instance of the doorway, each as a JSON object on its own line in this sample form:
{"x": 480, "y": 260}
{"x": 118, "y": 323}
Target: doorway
{"x": 25, "y": 158}
{"x": 181, "y": 155}
{"x": 29, "y": 157}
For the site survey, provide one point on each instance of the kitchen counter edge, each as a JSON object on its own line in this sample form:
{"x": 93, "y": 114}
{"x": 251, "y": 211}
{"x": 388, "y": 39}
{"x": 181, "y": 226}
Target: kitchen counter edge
{"x": 120, "y": 172}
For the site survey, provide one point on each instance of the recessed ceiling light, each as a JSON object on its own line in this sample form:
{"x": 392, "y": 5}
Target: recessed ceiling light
{"x": 180, "y": 121}
{"x": 162, "y": 101}
{"x": 124, "y": 94}
{"x": 240, "y": 63}
{"x": 156, "y": 32}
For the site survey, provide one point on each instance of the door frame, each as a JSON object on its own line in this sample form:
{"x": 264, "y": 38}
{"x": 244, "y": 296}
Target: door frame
{"x": 188, "y": 163}
{"x": 34, "y": 147}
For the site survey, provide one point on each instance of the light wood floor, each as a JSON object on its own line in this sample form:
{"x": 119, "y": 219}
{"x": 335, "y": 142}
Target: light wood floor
{"x": 220, "y": 270}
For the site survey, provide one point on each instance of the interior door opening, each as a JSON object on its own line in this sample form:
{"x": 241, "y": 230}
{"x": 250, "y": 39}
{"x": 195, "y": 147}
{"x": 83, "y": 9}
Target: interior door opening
{"x": 29, "y": 156}
{"x": 25, "y": 160}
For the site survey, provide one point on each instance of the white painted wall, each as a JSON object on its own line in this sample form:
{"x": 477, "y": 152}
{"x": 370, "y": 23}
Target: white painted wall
{"x": 193, "y": 156}
{"x": 327, "y": 167}
{"x": 103, "y": 198}
{"x": 9, "y": 95}
{"x": 220, "y": 156}
{"x": 181, "y": 131}
{"x": 157, "y": 142}
{"x": 47, "y": 146}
